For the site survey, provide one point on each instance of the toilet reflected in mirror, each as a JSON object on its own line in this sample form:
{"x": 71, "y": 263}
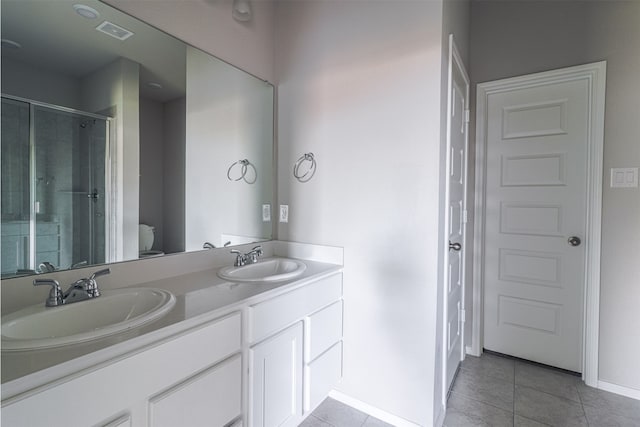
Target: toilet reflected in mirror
{"x": 146, "y": 235}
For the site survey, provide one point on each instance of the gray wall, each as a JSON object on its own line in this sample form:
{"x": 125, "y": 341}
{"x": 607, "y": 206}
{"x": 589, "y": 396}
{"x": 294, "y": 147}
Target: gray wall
{"x": 26, "y": 81}
{"x": 175, "y": 129}
{"x": 515, "y": 38}
{"x": 152, "y": 168}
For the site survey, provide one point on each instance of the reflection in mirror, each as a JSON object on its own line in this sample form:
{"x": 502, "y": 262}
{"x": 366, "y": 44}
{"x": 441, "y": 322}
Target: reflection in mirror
{"x": 117, "y": 139}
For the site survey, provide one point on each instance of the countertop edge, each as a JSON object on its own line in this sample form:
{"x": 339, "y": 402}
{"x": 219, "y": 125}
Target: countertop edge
{"x": 30, "y": 384}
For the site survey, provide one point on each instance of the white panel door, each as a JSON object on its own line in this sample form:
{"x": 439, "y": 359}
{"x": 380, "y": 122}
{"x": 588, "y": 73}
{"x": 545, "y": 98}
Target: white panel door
{"x": 535, "y": 204}
{"x": 457, "y": 137}
{"x": 276, "y": 380}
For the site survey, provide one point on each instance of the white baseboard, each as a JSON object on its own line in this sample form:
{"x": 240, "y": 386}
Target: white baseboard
{"x": 618, "y": 389}
{"x": 371, "y": 410}
{"x": 470, "y": 351}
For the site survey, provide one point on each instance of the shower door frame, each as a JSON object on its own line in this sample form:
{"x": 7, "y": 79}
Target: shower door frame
{"x": 109, "y": 186}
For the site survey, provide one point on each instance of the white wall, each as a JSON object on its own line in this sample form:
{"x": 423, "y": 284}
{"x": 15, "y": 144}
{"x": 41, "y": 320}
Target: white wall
{"x": 26, "y": 81}
{"x": 229, "y": 118}
{"x": 208, "y": 25}
{"x": 115, "y": 88}
{"x": 359, "y": 86}
{"x": 514, "y": 38}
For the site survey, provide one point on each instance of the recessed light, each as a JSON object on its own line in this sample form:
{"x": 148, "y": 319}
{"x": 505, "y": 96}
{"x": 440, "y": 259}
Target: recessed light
{"x": 86, "y": 11}
{"x": 154, "y": 85}
{"x": 10, "y": 44}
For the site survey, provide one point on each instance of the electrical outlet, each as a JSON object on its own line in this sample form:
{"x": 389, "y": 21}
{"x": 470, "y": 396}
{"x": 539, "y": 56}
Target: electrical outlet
{"x": 284, "y": 213}
{"x": 266, "y": 213}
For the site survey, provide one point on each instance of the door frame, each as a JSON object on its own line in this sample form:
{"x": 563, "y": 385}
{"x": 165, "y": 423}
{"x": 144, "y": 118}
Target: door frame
{"x": 455, "y": 60}
{"x": 595, "y": 74}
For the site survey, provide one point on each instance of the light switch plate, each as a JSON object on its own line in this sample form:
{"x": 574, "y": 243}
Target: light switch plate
{"x": 284, "y": 213}
{"x": 624, "y": 177}
{"x": 266, "y": 213}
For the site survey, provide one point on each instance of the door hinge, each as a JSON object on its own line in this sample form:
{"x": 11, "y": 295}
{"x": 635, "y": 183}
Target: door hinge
{"x": 467, "y": 116}
{"x": 462, "y": 315}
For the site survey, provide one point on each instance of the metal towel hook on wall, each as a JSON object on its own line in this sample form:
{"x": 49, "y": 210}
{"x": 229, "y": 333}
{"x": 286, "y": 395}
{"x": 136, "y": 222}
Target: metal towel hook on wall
{"x": 245, "y": 165}
{"x": 311, "y": 169}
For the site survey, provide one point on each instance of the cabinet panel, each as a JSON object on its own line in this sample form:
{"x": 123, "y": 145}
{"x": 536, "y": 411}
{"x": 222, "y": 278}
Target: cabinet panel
{"x": 115, "y": 388}
{"x": 322, "y": 375}
{"x": 276, "y": 380}
{"x": 324, "y": 330}
{"x": 210, "y": 398}
{"x": 270, "y": 316}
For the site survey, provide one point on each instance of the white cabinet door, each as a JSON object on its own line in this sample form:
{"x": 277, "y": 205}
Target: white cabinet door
{"x": 276, "y": 380}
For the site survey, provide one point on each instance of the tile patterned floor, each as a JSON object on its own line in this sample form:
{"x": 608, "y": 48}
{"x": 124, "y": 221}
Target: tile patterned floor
{"x": 497, "y": 391}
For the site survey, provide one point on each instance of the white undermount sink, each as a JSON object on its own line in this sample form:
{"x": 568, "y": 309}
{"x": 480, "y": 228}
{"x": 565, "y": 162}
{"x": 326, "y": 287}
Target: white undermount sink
{"x": 115, "y": 311}
{"x": 270, "y": 270}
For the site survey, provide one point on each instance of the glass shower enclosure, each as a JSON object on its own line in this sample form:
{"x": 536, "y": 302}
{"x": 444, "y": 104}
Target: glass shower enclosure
{"x": 55, "y": 172}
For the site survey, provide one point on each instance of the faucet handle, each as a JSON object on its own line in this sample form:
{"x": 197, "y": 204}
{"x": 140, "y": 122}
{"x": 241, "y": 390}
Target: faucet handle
{"x": 257, "y": 249}
{"x": 91, "y": 284}
{"x": 240, "y": 258}
{"x": 99, "y": 273}
{"x": 55, "y": 294}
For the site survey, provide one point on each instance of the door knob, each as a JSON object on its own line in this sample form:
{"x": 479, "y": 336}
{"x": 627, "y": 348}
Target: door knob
{"x": 574, "y": 241}
{"x": 455, "y": 246}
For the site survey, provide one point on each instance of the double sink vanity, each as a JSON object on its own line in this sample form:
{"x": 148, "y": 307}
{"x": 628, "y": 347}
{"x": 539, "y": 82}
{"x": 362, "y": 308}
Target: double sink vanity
{"x": 212, "y": 344}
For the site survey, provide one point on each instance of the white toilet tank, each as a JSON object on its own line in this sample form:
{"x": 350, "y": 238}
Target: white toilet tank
{"x": 146, "y": 233}
{"x": 145, "y": 237}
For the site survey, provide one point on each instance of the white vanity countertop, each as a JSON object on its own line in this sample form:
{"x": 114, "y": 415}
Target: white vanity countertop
{"x": 200, "y": 297}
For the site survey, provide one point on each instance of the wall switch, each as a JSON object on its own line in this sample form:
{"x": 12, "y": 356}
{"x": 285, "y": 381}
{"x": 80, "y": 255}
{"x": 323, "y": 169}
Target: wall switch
{"x": 266, "y": 213}
{"x": 624, "y": 177}
{"x": 284, "y": 213}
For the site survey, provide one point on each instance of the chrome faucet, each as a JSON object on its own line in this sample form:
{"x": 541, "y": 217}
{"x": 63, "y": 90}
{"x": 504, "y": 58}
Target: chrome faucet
{"x": 79, "y": 290}
{"x": 250, "y": 257}
{"x": 208, "y": 245}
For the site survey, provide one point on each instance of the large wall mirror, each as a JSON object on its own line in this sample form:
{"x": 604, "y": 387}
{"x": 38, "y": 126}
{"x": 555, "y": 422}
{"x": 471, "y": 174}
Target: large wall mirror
{"x": 120, "y": 141}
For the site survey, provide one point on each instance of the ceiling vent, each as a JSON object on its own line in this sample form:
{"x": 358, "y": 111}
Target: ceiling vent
{"x": 114, "y": 30}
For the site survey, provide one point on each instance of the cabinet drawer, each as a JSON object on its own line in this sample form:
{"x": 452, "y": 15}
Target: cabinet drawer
{"x": 322, "y": 375}
{"x": 212, "y": 397}
{"x": 270, "y": 316}
{"x": 324, "y": 330}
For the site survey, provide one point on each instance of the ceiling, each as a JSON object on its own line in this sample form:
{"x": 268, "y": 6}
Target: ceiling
{"x": 54, "y": 37}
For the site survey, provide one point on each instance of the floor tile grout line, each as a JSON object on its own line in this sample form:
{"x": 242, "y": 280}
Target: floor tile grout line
{"x": 464, "y": 396}
{"x": 552, "y": 395}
